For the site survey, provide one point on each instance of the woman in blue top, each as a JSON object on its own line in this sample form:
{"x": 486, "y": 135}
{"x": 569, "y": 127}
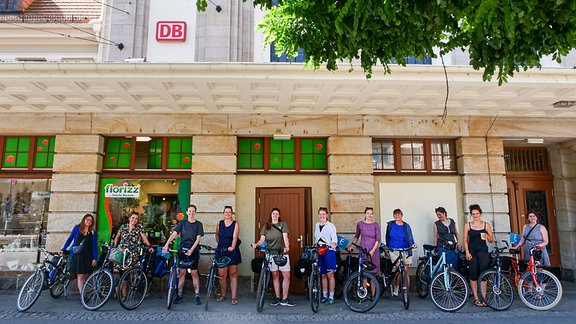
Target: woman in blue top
{"x": 227, "y": 232}
{"x": 83, "y": 263}
{"x": 399, "y": 236}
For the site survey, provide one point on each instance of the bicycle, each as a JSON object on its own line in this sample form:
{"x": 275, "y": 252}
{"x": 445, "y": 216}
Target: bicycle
{"x": 173, "y": 278}
{"x": 212, "y": 276}
{"x": 358, "y": 288}
{"x": 133, "y": 284}
{"x": 98, "y": 288}
{"x": 428, "y": 266}
{"x": 499, "y": 289}
{"x": 539, "y": 289}
{"x": 314, "y": 280}
{"x": 264, "y": 278}
{"x": 53, "y": 273}
{"x": 448, "y": 289}
{"x": 398, "y": 270}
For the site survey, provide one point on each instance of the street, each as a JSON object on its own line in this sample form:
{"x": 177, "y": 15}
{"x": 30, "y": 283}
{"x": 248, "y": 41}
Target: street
{"x": 388, "y": 309}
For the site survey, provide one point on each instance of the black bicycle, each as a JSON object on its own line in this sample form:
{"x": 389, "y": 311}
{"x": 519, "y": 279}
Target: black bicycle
{"x": 264, "y": 279}
{"x": 134, "y": 283}
{"x": 53, "y": 273}
{"x": 212, "y": 275}
{"x": 362, "y": 290}
{"x": 398, "y": 271}
{"x": 314, "y": 280}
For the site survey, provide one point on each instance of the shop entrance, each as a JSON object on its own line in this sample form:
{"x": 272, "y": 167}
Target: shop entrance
{"x": 158, "y": 201}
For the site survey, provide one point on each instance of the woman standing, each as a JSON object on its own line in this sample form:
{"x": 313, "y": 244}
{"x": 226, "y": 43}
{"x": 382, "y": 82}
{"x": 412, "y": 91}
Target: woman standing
{"x": 190, "y": 232}
{"x": 476, "y": 233}
{"x": 83, "y": 262}
{"x": 534, "y": 235}
{"x": 446, "y": 234}
{"x": 275, "y": 234}
{"x": 130, "y": 236}
{"x": 325, "y": 234}
{"x": 369, "y": 232}
{"x": 399, "y": 236}
{"x": 227, "y": 233}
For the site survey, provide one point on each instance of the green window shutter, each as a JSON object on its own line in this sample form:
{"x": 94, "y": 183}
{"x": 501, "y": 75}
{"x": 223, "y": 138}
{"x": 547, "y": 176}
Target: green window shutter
{"x": 250, "y": 153}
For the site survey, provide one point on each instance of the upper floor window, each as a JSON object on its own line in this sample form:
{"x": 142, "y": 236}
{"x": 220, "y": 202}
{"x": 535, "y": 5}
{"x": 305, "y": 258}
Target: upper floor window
{"x": 267, "y": 154}
{"x": 413, "y": 155}
{"x": 27, "y": 153}
{"x": 164, "y": 153}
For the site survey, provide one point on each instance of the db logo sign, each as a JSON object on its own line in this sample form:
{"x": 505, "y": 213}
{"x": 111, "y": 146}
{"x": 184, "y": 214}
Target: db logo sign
{"x": 171, "y": 31}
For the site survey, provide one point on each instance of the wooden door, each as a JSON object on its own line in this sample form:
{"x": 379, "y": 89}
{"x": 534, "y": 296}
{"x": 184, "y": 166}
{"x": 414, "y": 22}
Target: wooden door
{"x": 295, "y": 210}
{"x": 533, "y": 194}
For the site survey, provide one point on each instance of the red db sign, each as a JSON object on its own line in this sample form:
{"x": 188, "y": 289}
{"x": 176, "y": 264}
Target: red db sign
{"x": 171, "y": 31}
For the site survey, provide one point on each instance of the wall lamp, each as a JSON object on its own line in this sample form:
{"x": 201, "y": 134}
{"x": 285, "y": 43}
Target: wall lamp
{"x": 282, "y": 137}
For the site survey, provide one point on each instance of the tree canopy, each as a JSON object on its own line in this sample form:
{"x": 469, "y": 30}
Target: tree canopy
{"x": 501, "y": 36}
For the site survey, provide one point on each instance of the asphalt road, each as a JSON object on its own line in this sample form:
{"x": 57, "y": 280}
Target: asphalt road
{"x": 153, "y": 309}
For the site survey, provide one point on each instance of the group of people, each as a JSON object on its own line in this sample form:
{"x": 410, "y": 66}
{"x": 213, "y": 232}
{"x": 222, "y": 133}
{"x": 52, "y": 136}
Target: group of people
{"x": 275, "y": 233}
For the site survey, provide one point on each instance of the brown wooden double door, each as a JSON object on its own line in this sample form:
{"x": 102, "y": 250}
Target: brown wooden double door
{"x": 295, "y": 206}
{"x": 531, "y": 193}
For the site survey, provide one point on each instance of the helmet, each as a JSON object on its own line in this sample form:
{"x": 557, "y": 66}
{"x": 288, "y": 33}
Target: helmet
{"x": 322, "y": 250}
{"x": 222, "y": 261}
{"x": 280, "y": 260}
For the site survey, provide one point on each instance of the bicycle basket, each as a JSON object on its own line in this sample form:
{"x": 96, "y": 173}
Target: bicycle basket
{"x": 222, "y": 261}
{"x": 537, "y": 254}
{"x": 369, "y": 265}
{"x": 280, "y": 260}
{"x": 122, "y": 258}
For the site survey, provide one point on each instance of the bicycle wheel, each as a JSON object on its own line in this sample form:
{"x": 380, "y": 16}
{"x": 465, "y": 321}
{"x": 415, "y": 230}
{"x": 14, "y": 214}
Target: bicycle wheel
{"x": 314, "y": 291}
{"x": 423, "y": 279}
{"x": 405, "y": 284}
{"x": 210, "y": 286}
{"x": 544, "y": 296}
{"x": 449, "y": 290}
{"x": 262, "y": 287}
{"x": 358, "y": 292}
{"x": 31, "y": 290}
{"x": 172, "y": 287}
{"x": 60, "y": 284}
{"x": 97, "y": 289}
{"x": 499, "y": 290}
{"x": 132, "y": 288}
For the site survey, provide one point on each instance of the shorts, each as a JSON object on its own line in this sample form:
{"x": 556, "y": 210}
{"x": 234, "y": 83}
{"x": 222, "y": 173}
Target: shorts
{"x": 284, "y": 268}
{"x": 407, "y": 258}
{"x": 189, "y": 262}
{"x": 327, "y": 262}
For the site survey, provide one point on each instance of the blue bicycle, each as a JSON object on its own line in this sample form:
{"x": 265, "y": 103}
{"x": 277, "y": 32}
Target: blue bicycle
{"x": 362, "y": 290}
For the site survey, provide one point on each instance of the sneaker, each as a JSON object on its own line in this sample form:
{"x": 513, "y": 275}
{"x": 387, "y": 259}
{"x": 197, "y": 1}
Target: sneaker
{"x": 330, "y": 301}
{"x": 395, "y": 291}
{"x": 178, "y": 300}
{"x": 197, "y": 299}
{"x": 324, "y": 300}
{"x": 275, "y": 302}
{"x": 287, "y": 302}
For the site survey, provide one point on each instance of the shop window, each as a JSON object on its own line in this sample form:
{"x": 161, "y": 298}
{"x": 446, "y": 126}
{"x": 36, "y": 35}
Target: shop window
{"x": 413, "y": 155}
{"x": 23, "y": 219}
{"x": 266, "y": 154}
{"x": 29, "y": 153}
{"x": 165, "y": 153}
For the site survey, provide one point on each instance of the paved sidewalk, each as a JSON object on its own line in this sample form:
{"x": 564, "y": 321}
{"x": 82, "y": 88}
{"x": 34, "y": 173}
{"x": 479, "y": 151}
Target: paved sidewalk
{"x": 388, "y": 309}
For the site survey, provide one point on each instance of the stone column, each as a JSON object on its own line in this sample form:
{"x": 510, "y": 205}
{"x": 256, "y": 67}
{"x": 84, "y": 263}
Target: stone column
{"x": 213, "y": 182}
{"x": 481, "y": 164}
{"x": 77, "y": 163}
{"x": 351, "y": 180}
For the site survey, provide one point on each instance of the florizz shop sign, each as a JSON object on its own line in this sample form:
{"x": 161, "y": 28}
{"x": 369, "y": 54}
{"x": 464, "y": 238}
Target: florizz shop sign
{"x": 123, "y": 191}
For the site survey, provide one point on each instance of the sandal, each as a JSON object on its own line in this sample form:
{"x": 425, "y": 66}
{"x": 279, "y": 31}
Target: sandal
{"x": 234, "y": 301}
{"x": 220, "y": 298}
{"x": 479, "y": 303}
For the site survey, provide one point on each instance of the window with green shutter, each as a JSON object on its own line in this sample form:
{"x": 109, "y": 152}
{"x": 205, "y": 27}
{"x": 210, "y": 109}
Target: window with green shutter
{"x": 118, "y": 153}
{"x": 251, "y": 153}
{"x": 282, "y": 154}
{"x": 44, "y": 152}
{"x": 313, "y": 154}
{"x": 179, "y": 153}
{"x": 160, "y": 153}
{"x": 30, "y": 153}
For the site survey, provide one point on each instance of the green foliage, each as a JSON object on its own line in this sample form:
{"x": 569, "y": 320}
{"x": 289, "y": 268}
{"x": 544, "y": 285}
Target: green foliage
{"x": 501, "y": 36}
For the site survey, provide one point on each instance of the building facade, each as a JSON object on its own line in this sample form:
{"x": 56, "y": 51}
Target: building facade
{"x": 187, "y": 107}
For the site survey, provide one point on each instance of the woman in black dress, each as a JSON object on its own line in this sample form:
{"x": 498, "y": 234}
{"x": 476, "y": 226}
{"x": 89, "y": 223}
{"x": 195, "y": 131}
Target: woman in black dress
{"x": 83, "y": 262}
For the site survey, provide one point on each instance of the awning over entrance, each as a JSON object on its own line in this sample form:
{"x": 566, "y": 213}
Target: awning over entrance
{"x": 286, "y": 89}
